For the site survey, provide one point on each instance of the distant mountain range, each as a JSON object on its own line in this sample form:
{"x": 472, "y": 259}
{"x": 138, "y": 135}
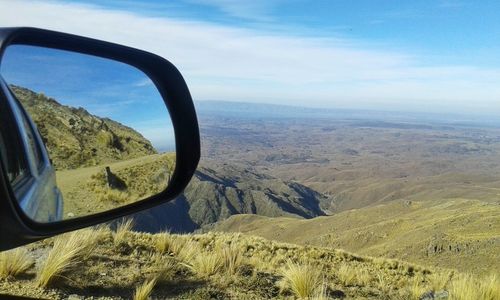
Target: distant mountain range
{"x": 250, "y": 110}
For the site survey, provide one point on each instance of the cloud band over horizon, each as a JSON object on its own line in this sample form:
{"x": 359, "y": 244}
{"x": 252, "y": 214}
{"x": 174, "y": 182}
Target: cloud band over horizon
{"x": 225, "y": 62}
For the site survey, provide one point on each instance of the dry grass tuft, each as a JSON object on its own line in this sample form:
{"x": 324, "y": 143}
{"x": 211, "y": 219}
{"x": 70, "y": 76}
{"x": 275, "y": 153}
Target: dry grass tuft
{"x": 163, "y": 242}
{"x": 416, "y": 289}
{"x": 166, "y": 270}
{"x": 321, "y": 293}
{"x": 346, "y": 275}
{"x": 438, "y": 281}
{"x": 214, "y": 261}
{"x": 490, "y": 287}
{"x": 466, "y": 287}
{"x": 101, "y": 232}
{"x": 143, "y": 291}
{"x": 163, "y": 267}
{"x": 363, "y": 277}
{"x": 14, "y": 262}
{"x": 122, "y": 229}
{"x": 109, "y": 195}
{"x": 303, "y": 279}
{"x": 205, "y": 264}
{"x": 186, "y": 251}
{"x": 383, "y": 284}
{"x": 67, "y": 251}
{"x": 231, "y": 258}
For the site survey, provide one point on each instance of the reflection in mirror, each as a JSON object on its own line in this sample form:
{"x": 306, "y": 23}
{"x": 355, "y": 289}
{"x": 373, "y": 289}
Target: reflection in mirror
{"x": 105, "y": 128}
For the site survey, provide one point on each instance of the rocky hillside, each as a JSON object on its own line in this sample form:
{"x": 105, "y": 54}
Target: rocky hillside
{"x": 75, "y": 138}
{"x": 220, "y": 191}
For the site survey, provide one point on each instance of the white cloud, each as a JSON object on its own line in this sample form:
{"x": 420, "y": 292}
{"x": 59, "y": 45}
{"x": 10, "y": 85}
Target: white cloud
{"x": 229, "y": 63}
{"x": 255, "y": 10}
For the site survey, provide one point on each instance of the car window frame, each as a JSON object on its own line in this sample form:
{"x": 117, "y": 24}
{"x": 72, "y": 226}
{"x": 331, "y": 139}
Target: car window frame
{"x": 12, "y": 140}
{"x": 23, "y": 187}
{"x": 35, "y": 149}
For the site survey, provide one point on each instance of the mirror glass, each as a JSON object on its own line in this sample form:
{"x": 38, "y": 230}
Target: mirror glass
{"x": 94, "y": 134}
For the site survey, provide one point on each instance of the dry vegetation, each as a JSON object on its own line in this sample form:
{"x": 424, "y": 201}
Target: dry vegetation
{"x": 143, "y": 291}
{"x": 215, "y": 265}
{"x": 122, "y": 229}
{"x": 303, "y": 279}
{"x": 67, "y": 251}
{"x": 448, "y": 233}
{"x": 87, "y": 190}
{"x": 14, "y": 262}
{"x": 140, "y": 180}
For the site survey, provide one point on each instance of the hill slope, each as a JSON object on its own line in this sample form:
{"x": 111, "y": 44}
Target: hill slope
{"x": 75, "y": 138}
{"x": 218, "y": 192}
{"x": 111, "y": 265}
{"x": 453, "y": 233}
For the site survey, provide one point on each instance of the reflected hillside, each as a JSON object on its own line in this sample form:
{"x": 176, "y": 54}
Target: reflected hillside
{"x": 75, "y": 138}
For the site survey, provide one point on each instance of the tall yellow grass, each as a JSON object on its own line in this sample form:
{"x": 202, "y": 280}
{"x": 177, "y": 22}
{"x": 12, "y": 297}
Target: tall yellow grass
{"x": 231, "y": 258}
{"x": 14, "y": 262}
{"x": 122, "y": 229}
{"x": 304, "y": 280}
{"x": 163, "y": 242}
{"x": 465, "y": 286}
{"x": 143, "y": 291}
{"x": 186, "y": 250}
{"x": 346, "y": 274}
{"x": 67, "y": 251}
{"x": 205, "y": 264}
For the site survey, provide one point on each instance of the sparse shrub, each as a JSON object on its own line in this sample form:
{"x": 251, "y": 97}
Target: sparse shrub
{"x": 304, "y": 280}
{"x": 122, "y": 229}
{"x": 143, "y": 291}
{"x": 14, "y": 262}
{"x": 67, "y": 251}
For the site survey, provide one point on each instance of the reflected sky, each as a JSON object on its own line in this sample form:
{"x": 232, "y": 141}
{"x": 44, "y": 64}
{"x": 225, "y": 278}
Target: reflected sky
{"x": 104, "y": 87}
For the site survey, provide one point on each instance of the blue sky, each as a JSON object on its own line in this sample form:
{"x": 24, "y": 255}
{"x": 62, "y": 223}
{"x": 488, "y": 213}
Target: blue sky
{"x": 103, "y": 87}
{"x": 434, "y": 56}
{"x": 455, "y": 30}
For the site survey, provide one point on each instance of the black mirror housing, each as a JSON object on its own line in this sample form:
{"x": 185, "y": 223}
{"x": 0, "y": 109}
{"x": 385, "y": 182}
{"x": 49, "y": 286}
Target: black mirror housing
{"x": 15, "y": 228}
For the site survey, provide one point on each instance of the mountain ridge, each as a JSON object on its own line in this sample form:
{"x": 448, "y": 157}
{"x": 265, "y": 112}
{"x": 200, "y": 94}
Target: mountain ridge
{"x": 217, "y": 192}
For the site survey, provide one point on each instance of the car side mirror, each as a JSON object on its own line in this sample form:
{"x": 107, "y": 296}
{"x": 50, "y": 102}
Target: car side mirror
{"x": 90, "y": 131}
